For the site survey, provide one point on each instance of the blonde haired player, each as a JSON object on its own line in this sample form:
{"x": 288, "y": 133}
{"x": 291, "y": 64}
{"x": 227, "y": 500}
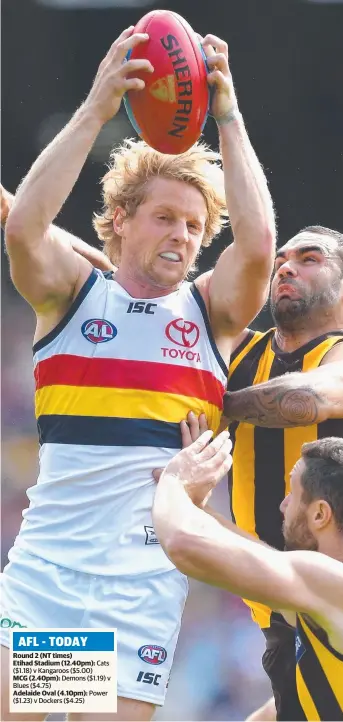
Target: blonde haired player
{"x": 119, "y": 361}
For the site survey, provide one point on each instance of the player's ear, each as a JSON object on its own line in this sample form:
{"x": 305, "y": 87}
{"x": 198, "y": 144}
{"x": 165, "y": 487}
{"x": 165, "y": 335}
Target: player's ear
{"x": 322, "y": 514}
{"x": 119, "y": 216}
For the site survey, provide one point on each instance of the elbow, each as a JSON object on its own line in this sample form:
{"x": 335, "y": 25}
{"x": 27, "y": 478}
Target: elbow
{"x": 264, "y": 246}
{"x": 15, "y": 228}
{"x": 259, "y": 242}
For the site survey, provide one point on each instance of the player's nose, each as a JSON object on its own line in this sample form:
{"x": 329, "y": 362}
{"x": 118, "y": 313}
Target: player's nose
{"x": 284, "y": 504}
{"x": 180, "y": 232}
{"x": 287, "y": 269}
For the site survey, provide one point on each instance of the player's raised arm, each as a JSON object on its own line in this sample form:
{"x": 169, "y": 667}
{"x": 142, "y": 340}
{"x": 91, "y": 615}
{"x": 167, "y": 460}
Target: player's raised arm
{"x": 204, "y": 549}
{"x": 240, "y": 281}
{"x": 96, "y": 257}
{"x": 295, "y": 399}
{"x": 45, "y": 271}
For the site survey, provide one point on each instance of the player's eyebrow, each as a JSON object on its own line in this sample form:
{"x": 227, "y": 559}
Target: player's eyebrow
{"x": 303, "y": 249}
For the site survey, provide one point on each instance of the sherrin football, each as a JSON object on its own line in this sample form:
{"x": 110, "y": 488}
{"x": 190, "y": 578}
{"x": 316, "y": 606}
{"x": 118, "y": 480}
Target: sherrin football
{"x": 171, "y": 111}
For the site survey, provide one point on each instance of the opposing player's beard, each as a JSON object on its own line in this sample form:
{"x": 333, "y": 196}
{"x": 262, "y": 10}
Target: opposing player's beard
{"x": 297, "y": 535}
{"x": 290, "y": 314}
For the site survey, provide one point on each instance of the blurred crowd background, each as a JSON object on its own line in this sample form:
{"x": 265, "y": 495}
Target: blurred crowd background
{"x": 286, "y": 60}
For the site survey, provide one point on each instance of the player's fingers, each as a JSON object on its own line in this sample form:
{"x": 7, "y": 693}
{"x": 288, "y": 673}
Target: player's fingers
{"x": 218, "y": 61}
{"x": 220, "y": 464}
{"x": 217, "y": 78}
{"x": 123, "y": 36}
{"x": 194, "y": 425}
{"x": 220, "y": 45}
{"x": 133, "y": 84}
{"x": 185, "y": 434}
{"x": 202, "y": 441}
{"x": 215, "y": 446}
{"x": 124, "y": 46}
{"x": 203, "y": 425}
{"x": 132, "y": 66}
{"x": 208, "y": 49}
{"x": 157, "y": 474}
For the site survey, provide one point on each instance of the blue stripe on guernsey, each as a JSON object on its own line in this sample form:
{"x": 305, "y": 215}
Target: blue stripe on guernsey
{"x": 70, "y": 313}
{"x": 200, "y": 301}
{"x": 104, "y": 431}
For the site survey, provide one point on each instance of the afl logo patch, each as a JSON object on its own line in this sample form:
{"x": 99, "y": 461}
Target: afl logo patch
{"x": 152, "y": 654}
{"x": 98, "y": 330}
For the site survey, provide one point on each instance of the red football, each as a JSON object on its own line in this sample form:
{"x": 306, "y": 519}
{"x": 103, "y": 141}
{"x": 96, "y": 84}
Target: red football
{"x": 171, "y": 111}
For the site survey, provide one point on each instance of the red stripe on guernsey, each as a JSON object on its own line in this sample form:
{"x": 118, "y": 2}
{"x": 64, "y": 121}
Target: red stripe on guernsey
{"x": 70, "y": 370}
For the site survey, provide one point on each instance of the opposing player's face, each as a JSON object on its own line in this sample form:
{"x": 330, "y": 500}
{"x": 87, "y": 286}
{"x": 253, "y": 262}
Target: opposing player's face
{"x": 162, "y": 240}
{"x": 296, "y": 530}
{"x": 307, "y": 278}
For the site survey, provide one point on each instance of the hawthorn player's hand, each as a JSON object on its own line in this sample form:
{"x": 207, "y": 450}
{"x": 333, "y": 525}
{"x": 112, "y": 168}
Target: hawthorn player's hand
{"x": 112, "y": 81}
{"x": 200, "y": 466}
{"x": 219, "y": 77}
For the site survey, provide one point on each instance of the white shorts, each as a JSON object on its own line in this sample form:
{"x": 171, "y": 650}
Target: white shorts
{"x": 146, "y": 610}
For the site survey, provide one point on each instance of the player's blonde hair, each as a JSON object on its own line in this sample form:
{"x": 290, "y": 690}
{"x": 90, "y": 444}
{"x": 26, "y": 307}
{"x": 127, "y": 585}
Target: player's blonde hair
{"x": 133, "y": 164}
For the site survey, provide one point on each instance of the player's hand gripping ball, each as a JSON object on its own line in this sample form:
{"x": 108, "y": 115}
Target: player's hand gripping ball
{"x": 172, "y": 109}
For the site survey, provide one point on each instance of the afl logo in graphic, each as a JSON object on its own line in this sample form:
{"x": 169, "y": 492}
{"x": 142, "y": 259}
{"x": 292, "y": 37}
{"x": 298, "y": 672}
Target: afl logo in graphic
{"x": 152, "y": 654}
{"x": 183, "y": 333}
{"x": 98, "y": 330}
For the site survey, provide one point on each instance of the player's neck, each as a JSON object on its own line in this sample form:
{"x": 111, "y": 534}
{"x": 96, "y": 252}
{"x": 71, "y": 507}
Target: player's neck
{"x": 139, "y": 288}
{"x": 289, "y": 340}
{"x": 332, "y": 545}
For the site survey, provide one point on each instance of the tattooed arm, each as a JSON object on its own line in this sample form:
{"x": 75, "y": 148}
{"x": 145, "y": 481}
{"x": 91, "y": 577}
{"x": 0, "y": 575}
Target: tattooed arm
{"x": 295, "y": 399}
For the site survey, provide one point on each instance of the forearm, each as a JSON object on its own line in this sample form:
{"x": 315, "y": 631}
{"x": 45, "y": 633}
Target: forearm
{"x": 202, "y": 548}
{"x": 48, "y": 184}
{"x": 248, "y": 199}
{"x": 96, "y": 257}
{"x": 296, "y": 399}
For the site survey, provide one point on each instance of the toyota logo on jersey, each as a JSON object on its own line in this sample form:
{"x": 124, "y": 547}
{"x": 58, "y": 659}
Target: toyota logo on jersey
{"x": 183, "y": 333}
{"x": 152, "y": 654}
{"x": 98, "y": 330}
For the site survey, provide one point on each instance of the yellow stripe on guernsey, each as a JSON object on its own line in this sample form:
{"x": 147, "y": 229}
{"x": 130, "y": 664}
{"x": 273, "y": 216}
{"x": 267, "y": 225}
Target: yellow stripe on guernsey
{"x": 244, "y": 474}
{"x": 123, "y": 403}
{"x": 293, "y": 441}
{"x": 319, "y": 674}
{"x": 263, "y": 458}
{"x": 305, "y": 698}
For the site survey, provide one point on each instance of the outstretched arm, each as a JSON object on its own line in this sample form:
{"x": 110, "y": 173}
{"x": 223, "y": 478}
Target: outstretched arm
{"x": 44, "y": 271}
{"x": 239, "y": 285}
{"x": 96, "y": 257}
{"x": 295, "y": 399}
{"x": 202, "y": 548}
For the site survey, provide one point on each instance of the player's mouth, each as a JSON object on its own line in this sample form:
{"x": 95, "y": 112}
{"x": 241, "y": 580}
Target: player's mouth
{"x": 285, "y": 290}
{"x": 171, "y": 256}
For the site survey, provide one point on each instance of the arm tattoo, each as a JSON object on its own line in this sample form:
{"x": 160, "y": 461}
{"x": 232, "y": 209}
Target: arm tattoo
{"x": 274, "y": 407}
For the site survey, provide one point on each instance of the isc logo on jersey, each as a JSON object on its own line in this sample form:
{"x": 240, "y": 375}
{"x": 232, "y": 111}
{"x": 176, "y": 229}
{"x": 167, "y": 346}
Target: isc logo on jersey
{"x": 152, "y": 654}
{"x": 98, "y": 330}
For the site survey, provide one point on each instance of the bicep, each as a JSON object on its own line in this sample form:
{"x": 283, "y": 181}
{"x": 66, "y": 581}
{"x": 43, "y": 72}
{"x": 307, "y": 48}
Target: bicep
{"x": 44, "y": 271}
{"x": 238, "y": 289}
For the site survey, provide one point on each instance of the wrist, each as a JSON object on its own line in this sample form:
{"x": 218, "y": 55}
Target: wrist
{"x": 229, "y": 405}
{"x": 229, "y": 117}
{"x": 87, "y": 116}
